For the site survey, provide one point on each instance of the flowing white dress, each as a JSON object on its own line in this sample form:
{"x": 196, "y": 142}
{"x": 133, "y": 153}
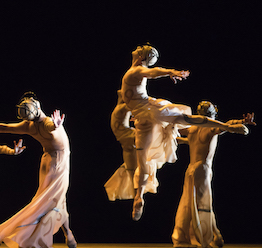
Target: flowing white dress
{"x": 154, "y": 115}
{"x": 35, "y": 224}
{"x": 195, "y": 220}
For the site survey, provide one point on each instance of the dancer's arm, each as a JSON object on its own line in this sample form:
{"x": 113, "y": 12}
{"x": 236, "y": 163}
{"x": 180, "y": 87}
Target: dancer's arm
{"x": 203, "y": 121}
{"x": 158, "y": 72}
{"x": 18, "y": 148}
{"x": 248, "y": 119}
{"x": 57, "y": 119}
{"x": 54, "y": 122}
{"x": 181, "y": 140}
{"x": 16, "y": 128}
{"x": 4, "y": 149}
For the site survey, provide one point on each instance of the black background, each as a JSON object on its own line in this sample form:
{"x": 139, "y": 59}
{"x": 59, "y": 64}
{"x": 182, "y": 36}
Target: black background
{"x": 73, "y": 54}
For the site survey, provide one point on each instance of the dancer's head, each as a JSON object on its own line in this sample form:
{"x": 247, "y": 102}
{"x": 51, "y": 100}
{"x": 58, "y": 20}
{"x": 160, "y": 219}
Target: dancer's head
{"x": 29, "y": 107}
{"x": 148, "y": 54}
{"x": 207, "y": 109}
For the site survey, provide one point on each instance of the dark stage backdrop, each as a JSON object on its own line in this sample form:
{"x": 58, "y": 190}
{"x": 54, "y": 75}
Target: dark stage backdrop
{"x": 74, "y": 54}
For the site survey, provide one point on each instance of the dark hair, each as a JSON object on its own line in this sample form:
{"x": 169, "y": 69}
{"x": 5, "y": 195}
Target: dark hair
{"x": 28, "y": 94}
{"x": 207, "y": 108}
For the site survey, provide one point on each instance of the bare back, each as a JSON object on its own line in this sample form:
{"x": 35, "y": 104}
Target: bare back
{"x": 50, "y": 140}
{"x": 202, "y": 144}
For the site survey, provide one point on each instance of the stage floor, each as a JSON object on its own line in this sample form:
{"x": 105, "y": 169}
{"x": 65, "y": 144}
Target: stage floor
{"x": 108, "y": 245}
{"x": 134, "y": 245}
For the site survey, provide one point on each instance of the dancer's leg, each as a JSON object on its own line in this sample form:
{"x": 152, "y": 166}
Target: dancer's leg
{"x": 218, "y": 239}
{"x": 70, "y": 239}
{"x": 183, "y": 217}
{"x": 143, "y": 141}
{"x": 130, "y": 158}
{"x": 203, "y": 210}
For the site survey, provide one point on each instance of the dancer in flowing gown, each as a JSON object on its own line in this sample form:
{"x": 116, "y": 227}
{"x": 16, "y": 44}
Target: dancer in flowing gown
{"x": 35, "y": 224}
{"x": 196, "y": 201}
{"x": 163, "y": 149}
{"x": 149, "y": 112}
{"x": 18, "y": 148}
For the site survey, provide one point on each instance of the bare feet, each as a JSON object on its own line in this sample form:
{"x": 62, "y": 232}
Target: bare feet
{"x": 71, "y": 243}
{"x": 137, "y": 209}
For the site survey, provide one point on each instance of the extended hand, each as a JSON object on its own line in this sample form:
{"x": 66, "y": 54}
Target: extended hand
{"x": 179, "y": 75}
{"x": 18, "y": 147}
{"x": 249, "y": 119}
{"x": 57, "y": 119}
{"x": 238, "y": 128}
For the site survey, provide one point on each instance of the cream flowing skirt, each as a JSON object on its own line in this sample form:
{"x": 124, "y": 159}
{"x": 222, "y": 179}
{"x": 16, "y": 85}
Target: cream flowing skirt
{"x": 163, "y": 147}
{"x": 35, "y": 224}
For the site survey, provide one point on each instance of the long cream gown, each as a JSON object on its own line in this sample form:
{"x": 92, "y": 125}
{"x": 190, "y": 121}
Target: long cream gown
{"x": 35, "y": 224}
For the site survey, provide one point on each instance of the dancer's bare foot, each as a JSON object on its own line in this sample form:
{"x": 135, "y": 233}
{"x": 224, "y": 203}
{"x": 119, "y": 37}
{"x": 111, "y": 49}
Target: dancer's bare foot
{"x": 218, "y": 241}
{"x": 137, "y": 208}
{"x": 71, "y": 243}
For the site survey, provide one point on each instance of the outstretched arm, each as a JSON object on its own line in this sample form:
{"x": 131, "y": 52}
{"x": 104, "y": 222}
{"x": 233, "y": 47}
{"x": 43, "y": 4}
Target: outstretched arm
{"x": 248, "y": 119}
{"x": 18, "y": 148}
{"x": 203, "y": 121}
{"x": 158, "y": 72}
{"x": 16, "y": 128}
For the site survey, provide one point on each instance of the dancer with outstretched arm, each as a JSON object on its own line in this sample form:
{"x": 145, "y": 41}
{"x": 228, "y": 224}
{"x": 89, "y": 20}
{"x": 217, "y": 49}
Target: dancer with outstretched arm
{"x": 149, "y": 112}
{"x": 35, "y": 224}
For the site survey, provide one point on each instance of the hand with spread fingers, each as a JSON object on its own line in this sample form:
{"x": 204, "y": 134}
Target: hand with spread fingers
{"x": 180, "y": 75}
{"x": 249, "y": 119}
{"x": 57, "y": 119}
{"x": 18, "y": 147}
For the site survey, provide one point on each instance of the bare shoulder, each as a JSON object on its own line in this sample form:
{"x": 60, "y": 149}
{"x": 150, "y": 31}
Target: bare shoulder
{"x": 31, "y": 127}
{"x": 192, "y": 129}
{"x": 133, "y": 75}
{"x": 136, "y": 70}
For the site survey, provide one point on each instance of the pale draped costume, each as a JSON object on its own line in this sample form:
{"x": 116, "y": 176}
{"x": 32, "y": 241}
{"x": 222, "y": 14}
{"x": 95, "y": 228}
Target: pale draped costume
{"x": 195, "y": 221}
{"x": 196, "y": 206}
{"x": 35, "y": 224}
{"x": 155, "y": 131}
